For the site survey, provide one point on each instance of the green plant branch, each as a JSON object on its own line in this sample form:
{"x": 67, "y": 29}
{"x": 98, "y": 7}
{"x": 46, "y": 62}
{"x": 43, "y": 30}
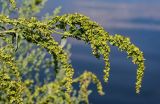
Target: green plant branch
{"x": 69, "y": 25}
{"x": 80, "y": 27}
{"x": 7, "y": 31}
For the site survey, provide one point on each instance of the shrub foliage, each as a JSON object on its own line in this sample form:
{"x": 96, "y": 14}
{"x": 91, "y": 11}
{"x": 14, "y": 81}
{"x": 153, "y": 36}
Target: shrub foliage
{"x": 18, "y": 85}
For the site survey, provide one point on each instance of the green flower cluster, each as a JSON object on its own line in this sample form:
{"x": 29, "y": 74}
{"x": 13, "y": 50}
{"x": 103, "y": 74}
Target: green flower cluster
{"x": 85, "y": 79}
{"x": 11, "y": 86}
{"x": 39, "y": 33}
{"x": 81, "y": 27}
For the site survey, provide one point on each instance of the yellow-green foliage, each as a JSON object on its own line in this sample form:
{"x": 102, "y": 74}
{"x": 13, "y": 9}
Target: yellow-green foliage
{"x": 85, "y": 79}
{"x": 11, "y": 86}
{"x": 30, "y": 30}
{"x": 81, "y": 27}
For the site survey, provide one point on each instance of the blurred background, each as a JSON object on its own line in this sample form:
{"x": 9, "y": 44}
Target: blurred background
{"x": 137, "y": 19}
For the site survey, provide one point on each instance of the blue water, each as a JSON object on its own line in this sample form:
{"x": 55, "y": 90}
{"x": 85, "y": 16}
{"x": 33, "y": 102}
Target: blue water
{"x": 137, "y": 19}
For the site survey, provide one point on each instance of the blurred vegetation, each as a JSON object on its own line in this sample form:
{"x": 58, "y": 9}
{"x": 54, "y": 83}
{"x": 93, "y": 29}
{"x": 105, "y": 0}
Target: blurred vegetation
{"x": 34, "y": 68}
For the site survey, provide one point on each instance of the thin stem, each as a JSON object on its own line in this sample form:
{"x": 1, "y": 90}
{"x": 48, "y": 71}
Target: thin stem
{"x": 8, "y": 31}
{"x": 60, "y": 33}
